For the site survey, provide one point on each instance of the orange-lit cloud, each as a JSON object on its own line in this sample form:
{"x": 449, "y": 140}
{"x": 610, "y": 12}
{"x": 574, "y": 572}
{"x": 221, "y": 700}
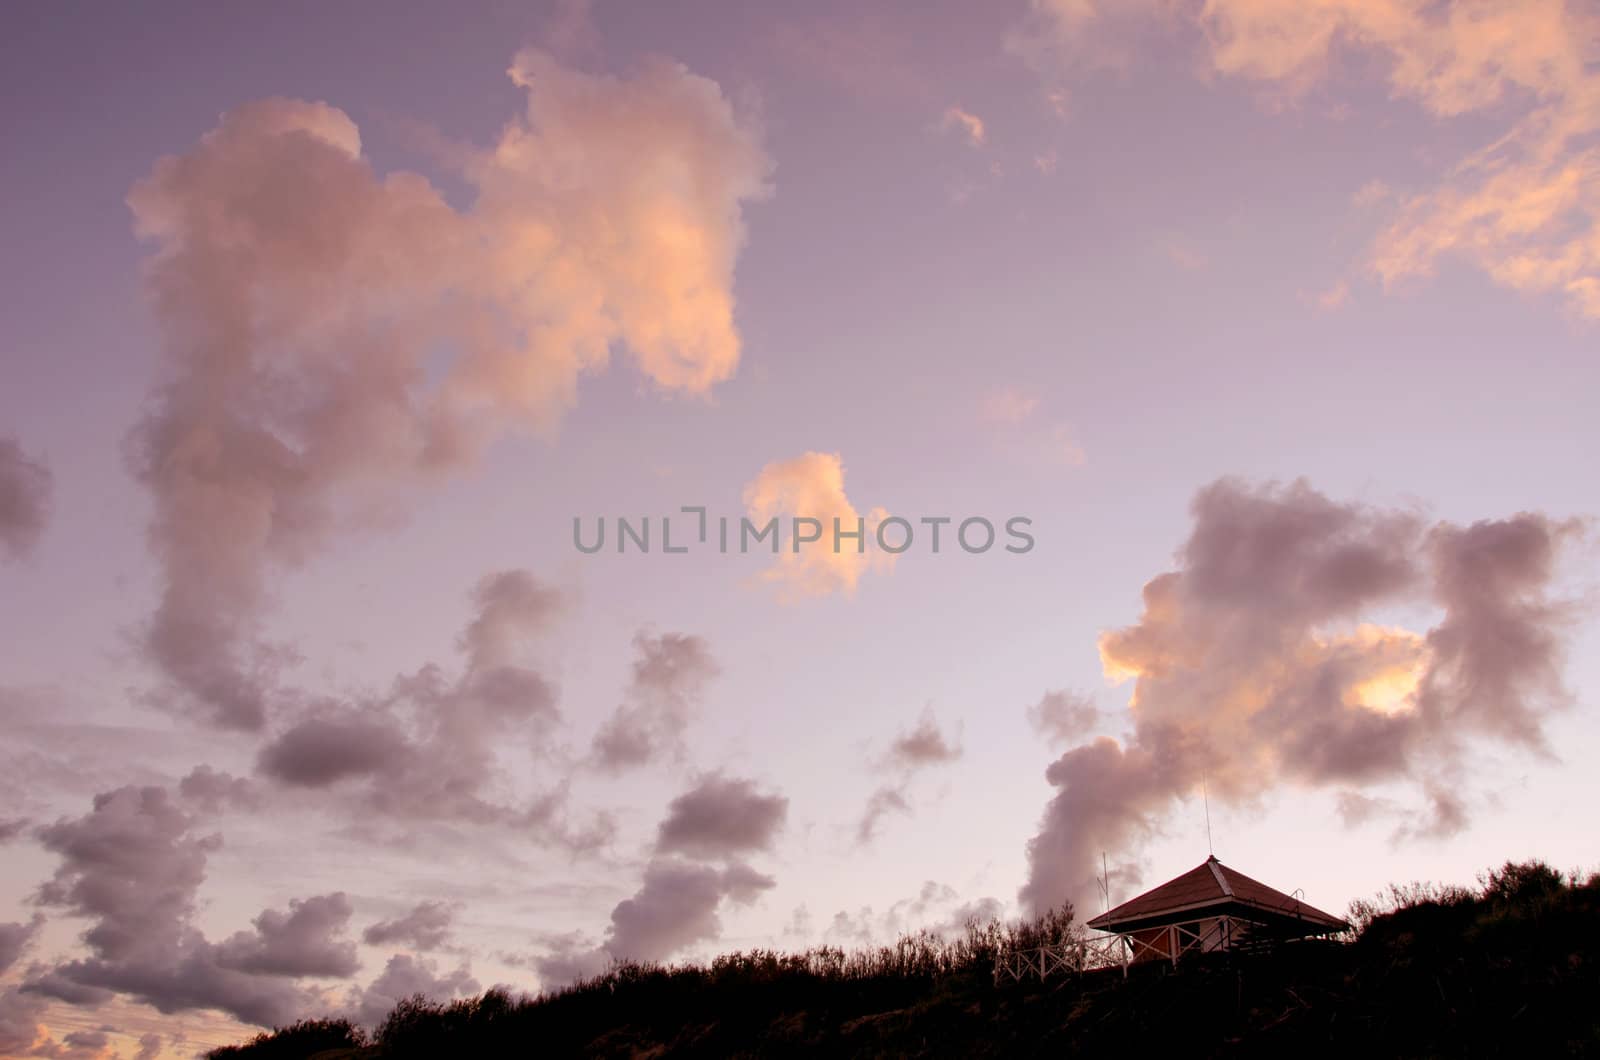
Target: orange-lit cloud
{"x": 968, "y": 124}
{"x": 811, "y": 486}
{"x": 1251, "y": 664}
{"x": 1525, "y": 208}
{"x": 333, "y": 334}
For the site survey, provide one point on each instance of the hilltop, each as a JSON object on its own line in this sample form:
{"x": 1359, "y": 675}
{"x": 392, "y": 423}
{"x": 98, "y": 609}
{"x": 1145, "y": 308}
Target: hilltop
{"x": 1511, "y": 967}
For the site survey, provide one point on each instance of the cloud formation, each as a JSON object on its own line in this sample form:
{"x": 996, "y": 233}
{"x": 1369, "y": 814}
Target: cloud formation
{"x": 811, "y": 486}
{"x": 1254, "y": 663}
{"x": 936, "y": 908}
{"x": 133, "y": 868}
{"x": 434, "y": 748}
{"x": 678, "y": 899}
{"x": 914, "y": 750}
{"x": 308, "y": 940}
{"x": 25, "y": 488}
{"x": 306, "y": 301}
{"x": 403, "y": 976}
{"x": 1063, "y": 717}
{"x": 924, "y": 745}
{"x": 890, "y": 798}
{"x": 721, "y": 817}
{"x": 1070, "y": 37}
{"x": 19, "y": 1022}
{"x": 426, "y": 927}
{"x": 213, "y": 791}
{"x": 669, "y": 678}
{"x": 1524, "y": 208}
{"x": 969, "y": 125}
{"x": 15, "y": 938}
{"x": 675, "y": 906}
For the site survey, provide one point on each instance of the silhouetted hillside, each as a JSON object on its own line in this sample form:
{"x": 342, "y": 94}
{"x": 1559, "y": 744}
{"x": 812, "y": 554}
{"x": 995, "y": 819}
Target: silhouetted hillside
{"x": 1509, "y": 968}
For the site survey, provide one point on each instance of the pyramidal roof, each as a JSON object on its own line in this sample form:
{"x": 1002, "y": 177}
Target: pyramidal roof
{"x": 1212, "y": 888}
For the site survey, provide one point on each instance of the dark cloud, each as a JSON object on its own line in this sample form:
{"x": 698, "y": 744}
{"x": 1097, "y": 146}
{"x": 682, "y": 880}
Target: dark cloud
{"x": 720, "y": 817}
{"x": 403, "y": 976}
{"x": 1256, "y": 661}
{"x": 426, "y": 927}
{"x": 924, "y": 745}
{"x": 77, "y": 1045}
{"x": 12, "y": 828}
{"x": 670, "y": 675}
{"x": 1105, "y": 799}
{"x": 568, "y": 958}
{"x": 307, "y": 940}
{"x": 322, "y": 751}
{"x": 676, "y": 906}
{"x": 884, "y": 801}
{"x": 19, "y": 1021}
{"x": 912, "y": 751}
{"x": 1445, "y": 815}
{"x": 25, "y": 488}
{"x": 133, "y": 867}
{"x": 14, "y": 939}
{"x": 1063, "y": 717}
{"x": 55, "y": 984}
{"x": 511, "y": 606}
{"x": 1497, "y": 656}
{"x": 212, "y": 791}
{"x": 431, "y": 747}
{"x": 1356, "y": 809}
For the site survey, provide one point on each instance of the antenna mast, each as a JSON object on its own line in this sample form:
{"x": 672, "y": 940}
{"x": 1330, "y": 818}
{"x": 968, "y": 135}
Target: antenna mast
{"x": 1206, "y": 799}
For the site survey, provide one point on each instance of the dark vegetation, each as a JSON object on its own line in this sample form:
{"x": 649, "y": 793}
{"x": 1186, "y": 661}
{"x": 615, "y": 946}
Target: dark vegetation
{"x": 1510, "y": 968}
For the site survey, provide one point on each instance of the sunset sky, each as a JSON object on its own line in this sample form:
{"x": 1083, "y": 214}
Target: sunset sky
{"x": 1278, "y": 321}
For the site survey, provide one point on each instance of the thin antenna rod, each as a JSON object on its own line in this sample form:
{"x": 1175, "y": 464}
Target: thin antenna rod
{"x": 1206, "y": 798}
{"x": 1105, "y": 881}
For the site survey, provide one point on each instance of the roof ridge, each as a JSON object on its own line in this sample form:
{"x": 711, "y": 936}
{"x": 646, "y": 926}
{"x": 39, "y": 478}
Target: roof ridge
{"x": 1211, "y": 884}
{"x": 1222, "y": 881}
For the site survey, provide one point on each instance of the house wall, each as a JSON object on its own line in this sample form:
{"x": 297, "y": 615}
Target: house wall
{"x": 1163, "y": 943}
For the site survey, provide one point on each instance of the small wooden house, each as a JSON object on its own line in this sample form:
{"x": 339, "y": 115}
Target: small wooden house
{"x": 1209, "y": 908}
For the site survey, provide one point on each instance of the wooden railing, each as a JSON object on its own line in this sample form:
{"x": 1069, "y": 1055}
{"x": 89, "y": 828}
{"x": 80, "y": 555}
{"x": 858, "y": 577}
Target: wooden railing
{"x": 1170, "y": 942}
{"x": 1067, "y": 958}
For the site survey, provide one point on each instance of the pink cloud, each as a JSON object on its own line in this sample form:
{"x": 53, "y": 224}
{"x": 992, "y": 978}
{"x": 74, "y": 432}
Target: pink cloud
{"x": 302, "y": 295}
{"x": 811, "y": 486}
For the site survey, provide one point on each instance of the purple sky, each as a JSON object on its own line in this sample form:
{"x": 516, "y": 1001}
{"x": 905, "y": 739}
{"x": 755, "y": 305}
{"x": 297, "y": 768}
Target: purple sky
{"x": 321, "y": 330}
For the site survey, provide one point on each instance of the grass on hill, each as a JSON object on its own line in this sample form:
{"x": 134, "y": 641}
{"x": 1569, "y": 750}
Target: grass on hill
{"x": 1511, "y": 967}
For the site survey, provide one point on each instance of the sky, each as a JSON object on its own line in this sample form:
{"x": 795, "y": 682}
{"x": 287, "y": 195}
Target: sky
{"x": 1261, "y": 336}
